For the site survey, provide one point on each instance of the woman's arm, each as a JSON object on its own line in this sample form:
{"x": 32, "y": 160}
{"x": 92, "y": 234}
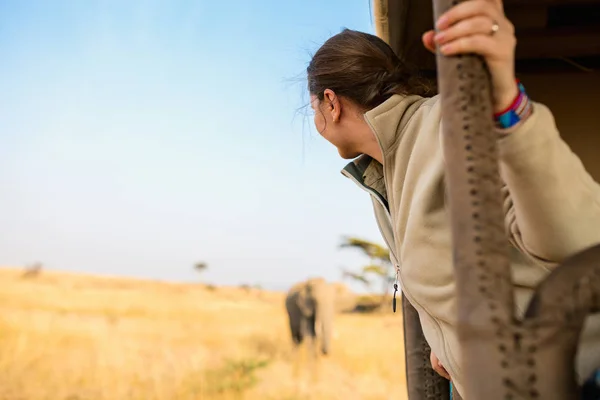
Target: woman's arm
{"x": 553, "y": 209}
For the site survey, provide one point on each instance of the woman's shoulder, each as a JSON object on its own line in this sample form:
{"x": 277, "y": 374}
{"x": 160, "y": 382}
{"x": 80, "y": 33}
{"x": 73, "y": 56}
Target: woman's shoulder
{"x": 402, "y": 107}
{"x": 413, "y": 104}
{"x": 422, "y": 112}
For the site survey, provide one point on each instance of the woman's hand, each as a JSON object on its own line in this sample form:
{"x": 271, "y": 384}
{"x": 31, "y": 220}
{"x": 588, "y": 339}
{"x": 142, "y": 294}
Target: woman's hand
{"x": 437, "y": 366}
{"x": 480, "y": 27}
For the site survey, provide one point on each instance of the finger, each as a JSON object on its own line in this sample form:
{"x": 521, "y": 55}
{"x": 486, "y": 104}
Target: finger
{"x": 442, "y": 371}
{"x": 433, "y": 359}
{"x": 484, "y": 45}
{"x": 437, "y": 366}
{"x": 498, "y": 4}
{"x": 468, "y": 9}
{"x": 428, "y": 40}
{"x": 466, "y": 27}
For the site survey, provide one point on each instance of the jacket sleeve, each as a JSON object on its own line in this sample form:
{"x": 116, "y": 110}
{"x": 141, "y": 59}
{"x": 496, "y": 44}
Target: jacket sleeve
{"x": 553, "y": 207}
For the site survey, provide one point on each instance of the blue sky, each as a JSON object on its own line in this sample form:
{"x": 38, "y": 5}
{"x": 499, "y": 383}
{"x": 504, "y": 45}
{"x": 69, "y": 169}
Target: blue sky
{"x": 138, "y": 137}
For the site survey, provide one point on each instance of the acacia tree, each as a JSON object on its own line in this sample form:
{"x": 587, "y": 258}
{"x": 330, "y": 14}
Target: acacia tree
{"x": 379, "y": 268}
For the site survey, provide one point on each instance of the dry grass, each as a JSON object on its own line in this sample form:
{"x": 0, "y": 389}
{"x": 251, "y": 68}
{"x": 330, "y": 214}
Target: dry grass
{"x": 74, "y": 337}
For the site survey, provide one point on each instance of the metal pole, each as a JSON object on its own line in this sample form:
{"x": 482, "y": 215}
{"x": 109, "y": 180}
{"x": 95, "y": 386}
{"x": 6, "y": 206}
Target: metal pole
{"x": 422, "y": 382}
{"x": 502, "y": 357}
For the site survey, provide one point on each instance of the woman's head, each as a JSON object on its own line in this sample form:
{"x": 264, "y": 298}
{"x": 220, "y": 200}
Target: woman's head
{"x": 350, "y": 74}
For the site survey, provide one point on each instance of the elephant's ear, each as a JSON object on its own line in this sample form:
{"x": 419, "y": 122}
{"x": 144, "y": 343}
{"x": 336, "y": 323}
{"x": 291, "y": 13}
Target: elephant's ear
{"x": 340, "y": 289}
{"x": 301, "y": 299}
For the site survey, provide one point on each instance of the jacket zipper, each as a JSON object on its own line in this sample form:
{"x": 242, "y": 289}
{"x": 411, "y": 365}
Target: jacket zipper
{"x": 387, "y": 213}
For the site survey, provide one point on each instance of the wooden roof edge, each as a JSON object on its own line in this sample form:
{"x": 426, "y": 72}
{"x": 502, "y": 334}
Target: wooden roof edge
{"x": 549, "y": 48}
{"x": 381, "y": 19}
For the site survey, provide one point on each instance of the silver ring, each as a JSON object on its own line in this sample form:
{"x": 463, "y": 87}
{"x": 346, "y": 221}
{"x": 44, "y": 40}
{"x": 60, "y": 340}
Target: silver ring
{"x": 495, "y": 28}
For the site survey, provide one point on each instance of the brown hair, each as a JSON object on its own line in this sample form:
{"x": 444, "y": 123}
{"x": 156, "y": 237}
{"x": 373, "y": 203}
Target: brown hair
{"x": 364, "y": 69}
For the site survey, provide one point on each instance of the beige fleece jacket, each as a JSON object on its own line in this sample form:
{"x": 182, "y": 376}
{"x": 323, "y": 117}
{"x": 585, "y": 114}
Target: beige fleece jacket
{"x": 552, "y": 210}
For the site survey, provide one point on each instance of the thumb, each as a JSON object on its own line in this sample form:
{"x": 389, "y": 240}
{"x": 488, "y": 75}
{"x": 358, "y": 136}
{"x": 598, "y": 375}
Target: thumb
{"x": 427, "y": 39}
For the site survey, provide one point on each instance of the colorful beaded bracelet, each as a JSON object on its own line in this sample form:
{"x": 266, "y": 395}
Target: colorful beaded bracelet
{"x": 519, "y": 110}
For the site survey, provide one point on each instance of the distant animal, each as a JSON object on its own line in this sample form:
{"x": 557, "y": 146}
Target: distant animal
{"x": 32, "y": 271}
{"x": 310, "y": 309}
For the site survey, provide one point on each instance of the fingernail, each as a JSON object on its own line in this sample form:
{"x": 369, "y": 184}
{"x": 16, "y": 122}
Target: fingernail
{"x": 439, "y": 37}
{"x": 442, "y": 22}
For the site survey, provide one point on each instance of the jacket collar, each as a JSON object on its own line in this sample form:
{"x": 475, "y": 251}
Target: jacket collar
{"x": 387, "y": 121}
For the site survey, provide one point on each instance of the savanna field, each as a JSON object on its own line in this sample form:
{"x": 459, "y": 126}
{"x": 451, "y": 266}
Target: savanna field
{"x": 78, "y": 337}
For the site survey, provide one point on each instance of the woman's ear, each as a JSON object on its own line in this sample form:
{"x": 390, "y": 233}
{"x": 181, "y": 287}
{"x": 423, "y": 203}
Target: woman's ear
{"x": 332, "y": 104}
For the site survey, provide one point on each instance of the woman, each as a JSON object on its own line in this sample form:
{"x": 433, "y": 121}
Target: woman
{"x": 370, "y": 106}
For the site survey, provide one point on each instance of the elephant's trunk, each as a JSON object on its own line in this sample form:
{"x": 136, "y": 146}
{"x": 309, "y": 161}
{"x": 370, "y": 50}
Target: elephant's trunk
{"x": 324, "y": 323}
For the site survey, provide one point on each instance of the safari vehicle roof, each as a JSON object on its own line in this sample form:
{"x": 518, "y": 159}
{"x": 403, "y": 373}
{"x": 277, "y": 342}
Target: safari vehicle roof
{"x": 546, "y": 30}
{"x": 558, "y": 58}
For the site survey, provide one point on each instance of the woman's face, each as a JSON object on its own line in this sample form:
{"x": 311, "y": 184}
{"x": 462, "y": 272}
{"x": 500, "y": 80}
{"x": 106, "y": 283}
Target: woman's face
{"x": 319, "y": 115}
{"x": 329, "y": 124}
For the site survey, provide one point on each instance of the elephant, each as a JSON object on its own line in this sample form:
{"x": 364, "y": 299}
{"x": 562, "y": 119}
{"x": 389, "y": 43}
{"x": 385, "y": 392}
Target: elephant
{"x": 310, "y": 308}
